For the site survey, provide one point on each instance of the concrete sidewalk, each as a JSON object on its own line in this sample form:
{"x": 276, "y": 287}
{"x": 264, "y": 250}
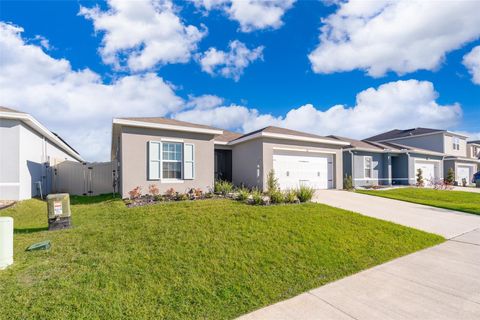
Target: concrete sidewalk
{"x": 441, "y": 282}
{"x": 447, "y": 223}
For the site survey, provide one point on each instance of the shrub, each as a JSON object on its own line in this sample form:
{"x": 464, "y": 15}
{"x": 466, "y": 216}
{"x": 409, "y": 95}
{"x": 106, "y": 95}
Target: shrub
{"x": 257, "y": 197}
{"x": 450, "y": 179}
{"x": 158, "y": 198}
{"x": 464, "y": 182}
{"x": 348, "y": 183}
{"x": 181, "y": 197}
{"x": 305, "y": 193}
{"x": 223, "y": 187}
{"x": 135, "y": 193}
{"x": 153, "y": 190}
{"x": 243, "y": 194}
{"x": 277, "y": 197}
{"x": 420, "y": 181}
{"x": 170, "y": 193}
{"x": 290, "y": 196}
{"x": 272, "y": 182}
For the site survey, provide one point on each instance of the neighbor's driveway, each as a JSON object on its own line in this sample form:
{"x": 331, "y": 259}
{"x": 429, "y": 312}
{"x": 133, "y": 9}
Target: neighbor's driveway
{"x": 467, "y": 189}
{"x": 447, "y": 223}
{"x": 441, "y": 282}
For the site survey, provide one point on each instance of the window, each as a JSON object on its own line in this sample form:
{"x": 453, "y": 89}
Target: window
{"x": 171, "y": 160}
{"x": 368, "y": 167}
{"x": 456, "y": 143}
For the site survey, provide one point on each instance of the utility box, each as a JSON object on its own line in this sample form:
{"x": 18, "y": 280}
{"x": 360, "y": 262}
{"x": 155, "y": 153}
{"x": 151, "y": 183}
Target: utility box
{"x": 59, "y": 215}
{"x": 6, "y": 242}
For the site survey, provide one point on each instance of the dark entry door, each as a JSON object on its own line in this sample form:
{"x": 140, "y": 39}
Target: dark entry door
{"x": 223, "y": 165}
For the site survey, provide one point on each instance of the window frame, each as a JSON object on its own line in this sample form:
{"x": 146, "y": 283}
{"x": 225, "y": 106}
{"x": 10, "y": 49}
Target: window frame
{"x": 456, "y": 143}
{"x": 370, "y": 176}
{"x": 163, "y": 160}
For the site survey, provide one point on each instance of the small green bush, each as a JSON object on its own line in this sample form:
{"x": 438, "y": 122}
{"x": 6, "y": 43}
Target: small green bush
{"x": 305, "y": 193}
{"x": 182, "y": 197}
{"x": 277, "y": 197}
{"x": 158, "y": 198}
{"x": 450, "y": 179}
{"x": 257, "y": 197}
{"x": 348, "y": 183}
{"x": 290, "y": 196}
{"x": 272, "y": 183}
{"x": 223, "y": 187}
{"x": 420, "y": 181}
{"x": 243, "y": 194}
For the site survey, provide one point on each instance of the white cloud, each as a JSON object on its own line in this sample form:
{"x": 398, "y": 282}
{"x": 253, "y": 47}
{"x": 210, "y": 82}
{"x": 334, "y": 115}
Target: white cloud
{"x": 251, "y": 14}
{"x": 78, "y": 105}
{"x": 391, "y": 35}
{"x": 401, "y": 104}
{"x": 145, "y": 33}
{"x": 229, "y": 64}
{"x": 472, "y": 61}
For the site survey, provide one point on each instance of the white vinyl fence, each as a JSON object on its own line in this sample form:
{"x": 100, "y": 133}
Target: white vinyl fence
{"x": 84, "y": 178}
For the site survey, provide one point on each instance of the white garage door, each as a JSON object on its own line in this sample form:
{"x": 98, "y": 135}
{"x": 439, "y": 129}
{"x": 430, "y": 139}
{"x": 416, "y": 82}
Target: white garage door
{"x": 429, "y": 171}
{"x": 464, "y": 172}
{"x": 293, "y": 170}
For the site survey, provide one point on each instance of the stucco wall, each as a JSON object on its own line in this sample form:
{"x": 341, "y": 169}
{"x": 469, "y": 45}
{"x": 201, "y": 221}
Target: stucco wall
{"x": 336, "y": 151}
{"x": 378, "y": 174}
{"x": 9, "y": 159}
{"x": 247, "y": 163}
{"x": 449, "y": 146}
{"x": 134, "y": 159}
{"x": 433, "y": 142}
{"x": 454, "y": 164}
{"x": 416, "y": 157}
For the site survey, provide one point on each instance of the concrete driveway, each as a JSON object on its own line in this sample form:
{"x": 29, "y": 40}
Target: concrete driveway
{"x": 447, "y": 223}
{"x": 467, "y": 189}
{"x": 441, "y": 282}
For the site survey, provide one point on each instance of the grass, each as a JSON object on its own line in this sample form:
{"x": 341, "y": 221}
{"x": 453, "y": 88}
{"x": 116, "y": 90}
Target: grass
{"x": 455, "y": 200}
{"x": 209, "y": 259}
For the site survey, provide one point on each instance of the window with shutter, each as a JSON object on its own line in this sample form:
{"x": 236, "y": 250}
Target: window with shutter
{"x": 189, "y": 161}
{"x": 154, "y": 160}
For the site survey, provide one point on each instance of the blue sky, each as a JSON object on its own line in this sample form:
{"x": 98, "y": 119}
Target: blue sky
{"x": 279, "y": 84}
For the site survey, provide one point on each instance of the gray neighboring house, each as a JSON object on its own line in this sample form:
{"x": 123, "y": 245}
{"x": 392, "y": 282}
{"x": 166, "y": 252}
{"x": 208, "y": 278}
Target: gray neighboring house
{"x": 452, "y": 145}
{"x": 182, "y": 155}
{"x": 27, "y": 152}
{"x": 373, "y": 163}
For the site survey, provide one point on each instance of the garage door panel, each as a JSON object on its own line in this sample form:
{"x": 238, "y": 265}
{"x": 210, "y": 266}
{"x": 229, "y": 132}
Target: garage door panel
{"x": 464, "y": 172}
{"x": 295, "y": 170}
{"x": 430, "y": 170}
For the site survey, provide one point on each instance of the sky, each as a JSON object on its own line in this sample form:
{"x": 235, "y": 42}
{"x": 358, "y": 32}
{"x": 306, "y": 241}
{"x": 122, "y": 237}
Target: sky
{"x": 352, "y": 68}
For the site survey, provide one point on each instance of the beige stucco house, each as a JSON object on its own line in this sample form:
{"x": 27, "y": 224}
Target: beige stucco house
{"x": 181, "y": 155}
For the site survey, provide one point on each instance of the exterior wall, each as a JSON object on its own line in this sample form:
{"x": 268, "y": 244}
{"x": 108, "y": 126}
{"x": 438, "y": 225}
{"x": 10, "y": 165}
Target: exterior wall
{"x": 336, "y": 151}
{"x": 433, "y": 142}
{"x": 36, "y": 155}
{"x": 9, "y": 159}
{"x": 247, "y": 163}
{"x": 449, "y": 146}
{"x": 473, "y": 151}
{"x": 378, "y": 174}
{"x": 347, "y": 165}
{"x": 134, "y": 159}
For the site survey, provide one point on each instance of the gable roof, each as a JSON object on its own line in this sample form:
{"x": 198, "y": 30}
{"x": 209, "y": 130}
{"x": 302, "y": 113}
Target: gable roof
{"x": 30, "y": 121}
{"x": 288, "y": 134}
{"x": 166, "y": 124}
{"x": 397, "y": 134}
{"x": 227, "y": 136}
{"x": 393, "y": 147}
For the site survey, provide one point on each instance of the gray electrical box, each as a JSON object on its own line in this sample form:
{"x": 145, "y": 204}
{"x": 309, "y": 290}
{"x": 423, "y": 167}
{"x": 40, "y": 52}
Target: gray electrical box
{"x": 59, "y": 215}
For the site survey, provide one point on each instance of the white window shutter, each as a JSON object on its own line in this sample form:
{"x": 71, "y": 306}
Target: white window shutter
{"x": 188, "y": 161}
{"x": 154, "y": 149}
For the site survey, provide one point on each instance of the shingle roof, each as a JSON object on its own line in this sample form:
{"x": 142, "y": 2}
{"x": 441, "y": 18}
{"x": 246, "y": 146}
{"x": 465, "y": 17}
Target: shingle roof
{"x": 396, "y": 134}
{"x": 278, "y": 130}
{"x": 227, "y": 136}
{"x": 474, "y": 142}
{"x": 173, "y": 122}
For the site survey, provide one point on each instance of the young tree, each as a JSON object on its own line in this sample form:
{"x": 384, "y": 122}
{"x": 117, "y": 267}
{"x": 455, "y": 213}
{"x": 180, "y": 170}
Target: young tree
{"x": 420, "y": 182}
{"x": 272, "y": 182}
{"x": 450, "y": 179}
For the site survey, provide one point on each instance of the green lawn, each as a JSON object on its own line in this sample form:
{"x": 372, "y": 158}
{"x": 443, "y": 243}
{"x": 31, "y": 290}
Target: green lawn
{"x": 210, "y": 259}
{"x": 454, "y": 200}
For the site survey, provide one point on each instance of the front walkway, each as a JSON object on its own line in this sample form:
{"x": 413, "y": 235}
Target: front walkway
{"x": 441, "y": 282}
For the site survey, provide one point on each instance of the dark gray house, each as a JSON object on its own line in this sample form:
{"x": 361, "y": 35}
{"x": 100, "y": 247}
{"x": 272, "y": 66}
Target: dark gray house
{"x": 373, "y": 163}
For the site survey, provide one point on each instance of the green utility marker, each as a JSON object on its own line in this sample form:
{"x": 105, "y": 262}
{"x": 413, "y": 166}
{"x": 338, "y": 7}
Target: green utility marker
{"x": 44, "y": 245}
